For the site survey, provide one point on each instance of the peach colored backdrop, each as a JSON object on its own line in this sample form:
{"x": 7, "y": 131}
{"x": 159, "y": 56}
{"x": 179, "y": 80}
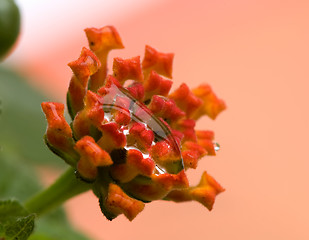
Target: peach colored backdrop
{"x": 255, "y": 56}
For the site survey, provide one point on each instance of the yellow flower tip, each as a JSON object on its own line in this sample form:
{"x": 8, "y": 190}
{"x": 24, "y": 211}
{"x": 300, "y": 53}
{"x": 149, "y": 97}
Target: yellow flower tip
{"x": 102, "y": 40}
{"x": 211, "y": 106}
{"x": 118, "y": 202}
{"x": 206, "y": 191}
{"x": 160, "y": 62}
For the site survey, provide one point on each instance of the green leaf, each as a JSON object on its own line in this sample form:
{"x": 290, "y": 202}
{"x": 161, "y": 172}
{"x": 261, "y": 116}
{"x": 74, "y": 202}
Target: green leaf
{"x": 19, "y": 180}
{"x": 22, "y": 148}
{"x": 16, "y": 223}
{"x": 22, "y": 122}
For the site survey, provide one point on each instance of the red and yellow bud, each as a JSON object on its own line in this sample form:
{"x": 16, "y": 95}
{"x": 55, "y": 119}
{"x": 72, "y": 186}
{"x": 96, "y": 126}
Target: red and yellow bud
{"x": 191, "y": 153}
{"x": 85, "y": 66}
{"x": 135, "y": 164}
{"x": 92, "y": 115}
{"x": 125, "y": 69}
{"x": 118, "y": 202}
{"x": 156, "y": 85}
{"x": 211, "y": 106}
{"x": 205, "y": 139}
{"x": 162, "y": 63}
{"x": 165, "y": 108}
{"x": 101, "y": 42}
{"x": 59, "y": 134}
{"x": 186, "y": 100}
{"x": 112, "y": 138}
{"x": 91, "y": 157}
{"x": 131, "y": 139}
{"x": 205, "y": 192}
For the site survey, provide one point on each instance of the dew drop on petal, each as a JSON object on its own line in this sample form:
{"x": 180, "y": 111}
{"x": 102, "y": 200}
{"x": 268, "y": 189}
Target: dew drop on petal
{"x": 119, "y": 100}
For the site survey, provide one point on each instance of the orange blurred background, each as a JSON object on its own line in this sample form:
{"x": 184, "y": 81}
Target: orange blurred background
{"x": 255, "y": 56}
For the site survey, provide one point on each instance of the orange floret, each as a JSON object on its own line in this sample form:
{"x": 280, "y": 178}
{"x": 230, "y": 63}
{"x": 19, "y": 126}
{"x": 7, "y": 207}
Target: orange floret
{"x": 162, "y": 63}
{"x": 211, "y": 106}
{"x": 125, "y": 69}
{"x": 58, "y": 133}
{"x": 135, "y": 164}
{"x": 101, "y": 41}
{"x": 191, "y": 153}
{"x": 91, "y": 157}
{"x": 90, "y": 117}
{"x": 205, "y": 192}
{"x": 112, "y": 137}
{"x": 85, "y": 66}
{"x": 117, "y": 202}
{"x": 165, "y": 108}
{"x": 140, "y": 136}
{"x": 186, "y": 100}
{"x": 186, "y": 127}
{"x": 165, "y": 154}
{"x": 121, "y": 110}
{"x": 205, "y": 139}
{"x": 136, "y": 89}
{"x": 156, "y": 85}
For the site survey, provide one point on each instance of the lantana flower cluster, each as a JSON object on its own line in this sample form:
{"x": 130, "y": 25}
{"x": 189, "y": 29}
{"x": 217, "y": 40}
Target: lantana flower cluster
{"x": 130, "y": 137}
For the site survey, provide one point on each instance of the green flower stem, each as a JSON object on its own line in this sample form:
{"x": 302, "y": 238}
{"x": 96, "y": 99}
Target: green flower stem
{"x": 64, "y": 188}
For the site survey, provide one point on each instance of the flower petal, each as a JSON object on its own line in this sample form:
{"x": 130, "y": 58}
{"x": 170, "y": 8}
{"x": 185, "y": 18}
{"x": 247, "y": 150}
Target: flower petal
{"x": 91, "y": 157}
{"x": 85, "y": 66}
{"x": 205, "y": 192}
{"x": 156, "y": 85}
{"x": 117, "y": 202}
{"x": 101, "y": 41}
{"x": 58, "y": 133}
{"x": 162, "y": 63}
{"x": 125, "y": 69}
{"x": 211, "y": 106}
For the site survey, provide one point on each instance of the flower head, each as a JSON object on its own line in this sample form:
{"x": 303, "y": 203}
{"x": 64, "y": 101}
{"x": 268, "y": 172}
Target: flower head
{"x": 130, "y": 137}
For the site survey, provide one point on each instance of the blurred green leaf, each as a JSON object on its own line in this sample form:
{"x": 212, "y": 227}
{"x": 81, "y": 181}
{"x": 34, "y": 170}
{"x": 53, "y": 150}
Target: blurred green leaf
{"x": 18, "y": 180}
{"x": 22, "y": 127}
{"x": 15, "y": 221}
{"x": 22, "y": 123}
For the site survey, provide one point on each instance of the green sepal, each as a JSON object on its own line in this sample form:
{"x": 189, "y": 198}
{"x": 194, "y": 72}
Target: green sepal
{"x": 70, "y": 159}
{"x": 174, "y": 167}
{"x": 70, "y": 108}
{"x": 130, "y": 191}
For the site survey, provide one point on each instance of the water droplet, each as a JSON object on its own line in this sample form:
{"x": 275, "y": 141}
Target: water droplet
{"x": 120, "y": 100}
{"x": 216, "y": 146}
